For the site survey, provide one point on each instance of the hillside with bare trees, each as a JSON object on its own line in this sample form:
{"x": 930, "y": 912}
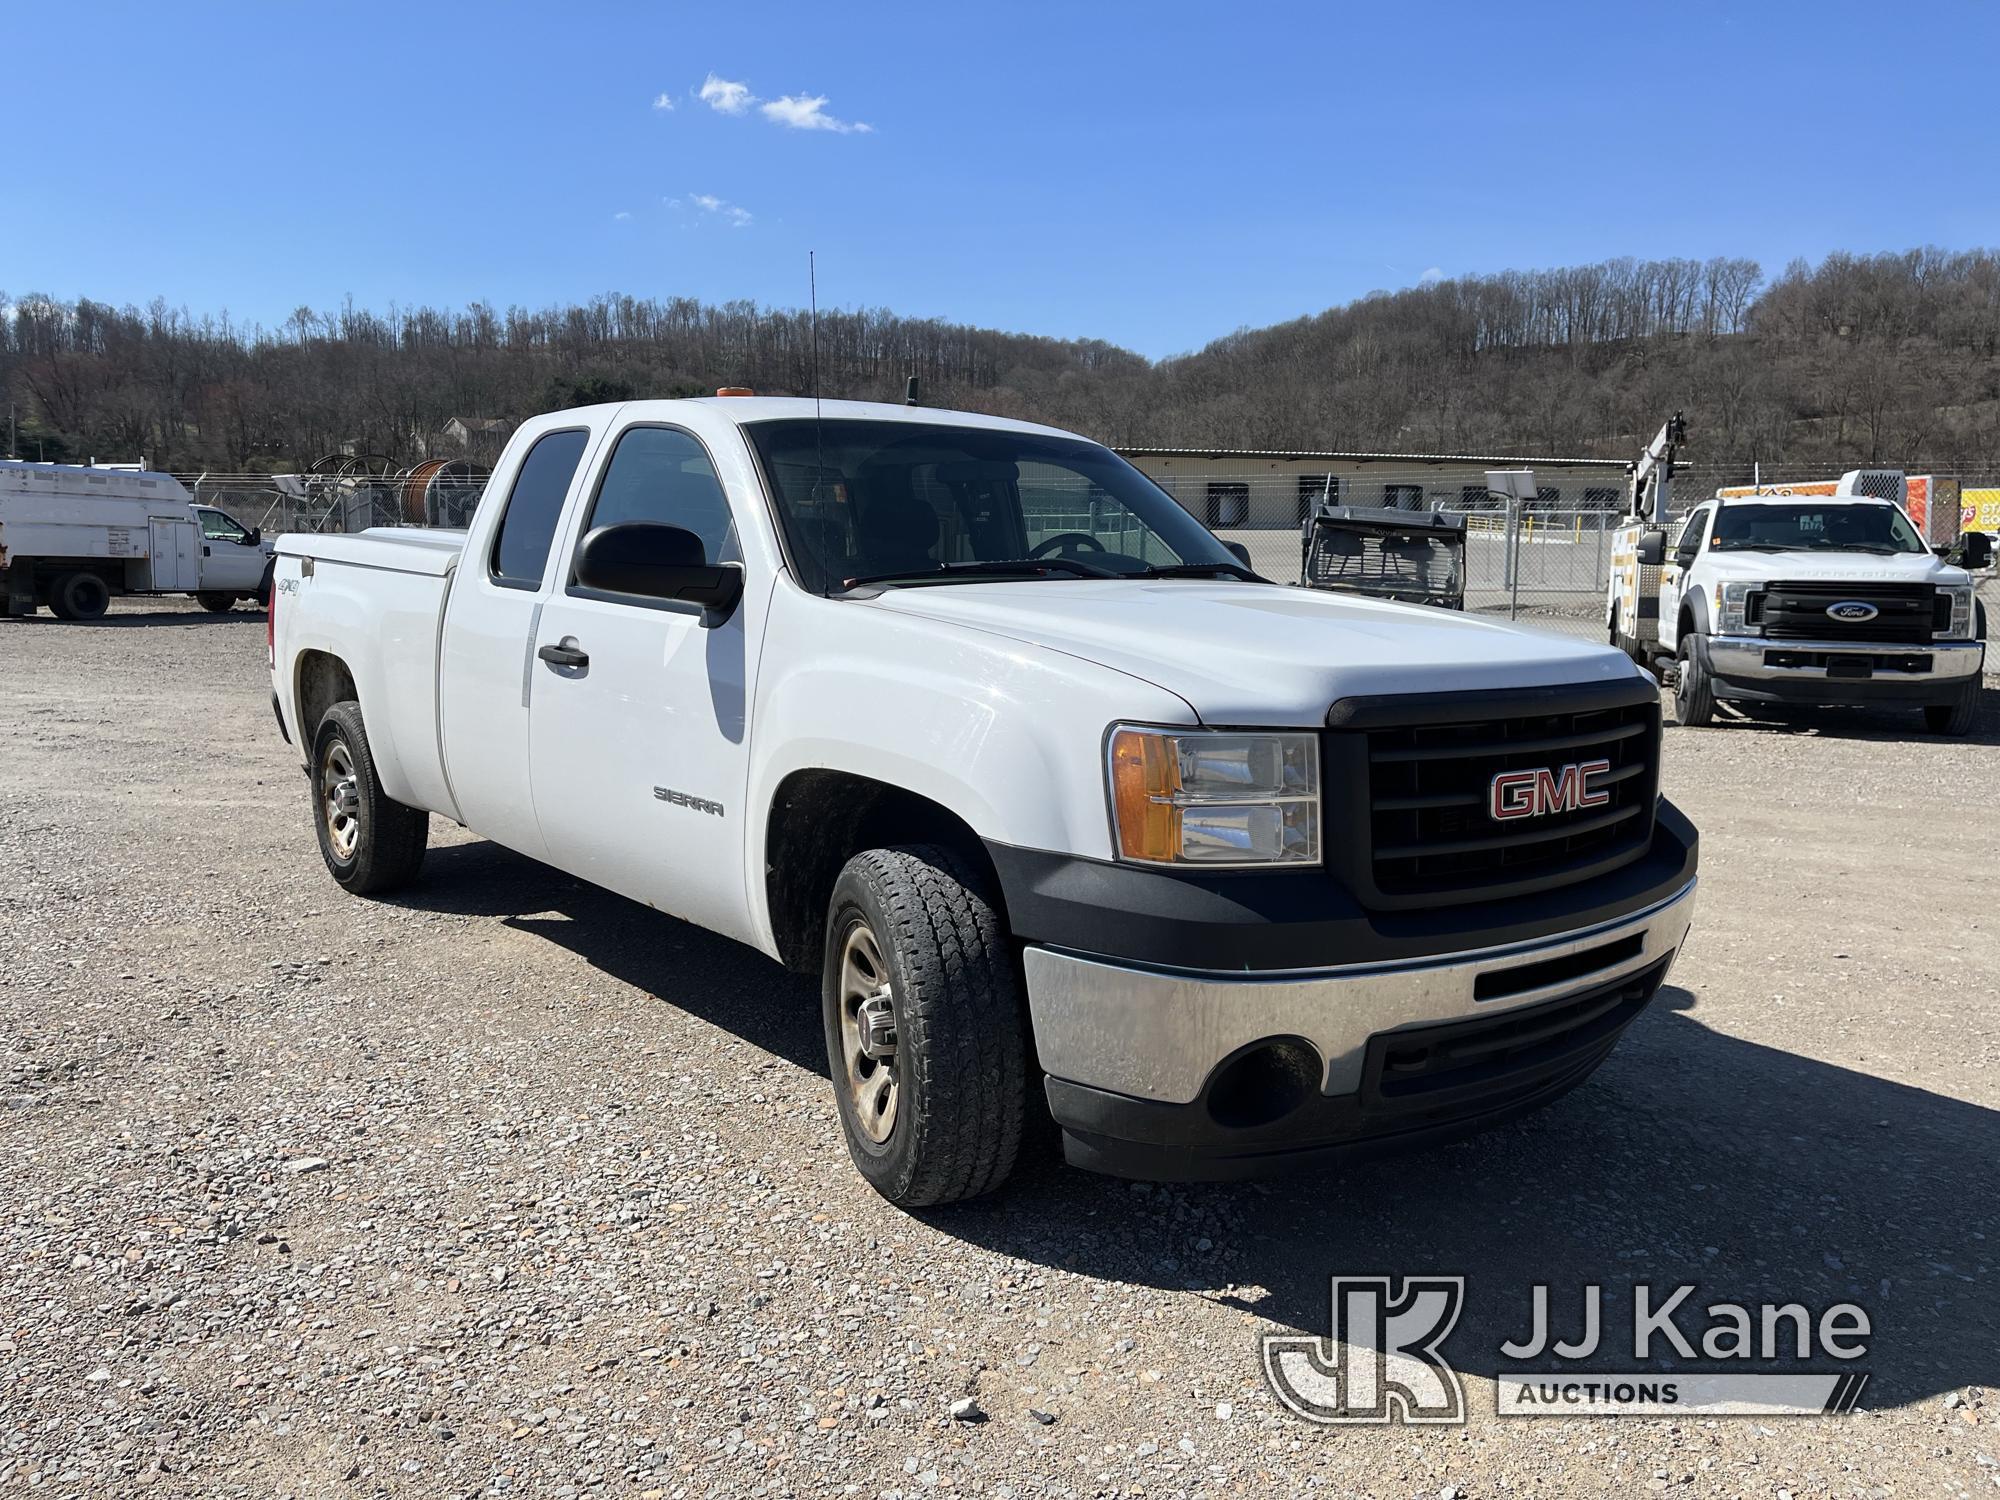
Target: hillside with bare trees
{"x": 1889, "y": 358}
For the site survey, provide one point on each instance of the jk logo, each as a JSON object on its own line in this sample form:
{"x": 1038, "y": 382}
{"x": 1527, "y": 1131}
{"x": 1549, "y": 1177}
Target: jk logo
{"x": 1382, "y": 1363}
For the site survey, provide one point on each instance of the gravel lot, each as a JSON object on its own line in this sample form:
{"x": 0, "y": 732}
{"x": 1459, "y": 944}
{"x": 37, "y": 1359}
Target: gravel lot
{"x": 511, "y": 1186}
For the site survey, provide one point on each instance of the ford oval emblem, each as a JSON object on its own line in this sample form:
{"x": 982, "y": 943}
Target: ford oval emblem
{"x": 1853, "y": 611}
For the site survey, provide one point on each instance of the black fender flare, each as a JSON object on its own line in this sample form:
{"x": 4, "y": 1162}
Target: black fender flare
{"x": 1695, "y": 603}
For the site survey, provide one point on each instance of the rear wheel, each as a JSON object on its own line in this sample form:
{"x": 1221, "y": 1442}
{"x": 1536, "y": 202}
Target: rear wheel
{"x": 370, "y": 842}
{"x": 1694, "y": 698}
{"x": 926, "y": 1032}
{"x": 79, "y": 596}
{"x": 217, "y": 604}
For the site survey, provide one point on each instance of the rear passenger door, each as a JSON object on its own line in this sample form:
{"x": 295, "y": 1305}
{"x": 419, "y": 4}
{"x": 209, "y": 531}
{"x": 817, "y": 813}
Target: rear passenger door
{"x": 640, "y": 754}
{"x": 495, "y": 605}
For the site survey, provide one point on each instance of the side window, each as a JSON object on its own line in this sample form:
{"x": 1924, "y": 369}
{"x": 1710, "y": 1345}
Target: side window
{"x": 217, "y": 527}
{"x": 528, "y": 524}
{"x": 662, "y": 475}
{"x": 1691, "y": 537}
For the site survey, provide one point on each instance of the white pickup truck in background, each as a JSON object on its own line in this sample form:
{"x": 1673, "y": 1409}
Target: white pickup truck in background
{"x": 1804, "y": 599}
{"x": 73, "y": 537}
{"x": 1068, "y": 810}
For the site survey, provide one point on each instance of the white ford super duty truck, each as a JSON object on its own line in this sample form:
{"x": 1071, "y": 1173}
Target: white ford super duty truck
{"x": 1805, "y": 599}
{"x": 1069, "y": 810}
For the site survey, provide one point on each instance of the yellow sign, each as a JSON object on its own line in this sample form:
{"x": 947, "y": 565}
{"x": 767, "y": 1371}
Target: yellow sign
{"x": 1979, "y": 510}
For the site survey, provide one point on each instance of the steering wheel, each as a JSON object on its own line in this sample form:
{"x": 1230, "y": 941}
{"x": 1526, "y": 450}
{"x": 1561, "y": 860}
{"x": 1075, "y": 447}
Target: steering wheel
{"x": 1067, "y": 542}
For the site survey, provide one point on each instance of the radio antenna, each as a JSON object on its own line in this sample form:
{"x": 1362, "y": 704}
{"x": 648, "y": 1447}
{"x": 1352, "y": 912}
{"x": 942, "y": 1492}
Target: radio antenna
{"x": 819, "y": 443}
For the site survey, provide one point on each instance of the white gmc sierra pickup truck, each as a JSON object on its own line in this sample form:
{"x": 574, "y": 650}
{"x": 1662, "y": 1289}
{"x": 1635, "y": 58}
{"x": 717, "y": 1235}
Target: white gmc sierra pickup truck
{"x": 1069, "y": 810}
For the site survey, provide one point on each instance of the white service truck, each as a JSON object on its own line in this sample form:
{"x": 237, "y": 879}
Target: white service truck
{"x": 1069, "y": 811}
{"x": 73, "y": 537}
{"x": 1785, "y": 597}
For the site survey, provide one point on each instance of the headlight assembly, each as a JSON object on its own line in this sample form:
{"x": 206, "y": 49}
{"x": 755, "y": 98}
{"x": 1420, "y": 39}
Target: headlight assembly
{"x": 1731, "y": 603}
{"x": 1214, "y": 797}
{"x": 1960, "y": 628}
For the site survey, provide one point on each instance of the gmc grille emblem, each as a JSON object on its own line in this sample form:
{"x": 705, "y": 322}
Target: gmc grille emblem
{"x": 1530, "y": 794}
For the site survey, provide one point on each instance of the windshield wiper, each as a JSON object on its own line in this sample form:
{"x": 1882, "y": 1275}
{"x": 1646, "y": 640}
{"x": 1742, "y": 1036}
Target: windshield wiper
{"x": 993, "y": 568}
{"x": 1199, "y": 570}
{"x": 1756, "y": 547}
{"x": 1881, "y": 548}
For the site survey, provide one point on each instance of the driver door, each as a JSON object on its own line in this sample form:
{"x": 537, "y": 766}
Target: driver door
{"x": 1673, "y": 575}
{"x": 638, "y": 755}
{"x": 232, "y": 561}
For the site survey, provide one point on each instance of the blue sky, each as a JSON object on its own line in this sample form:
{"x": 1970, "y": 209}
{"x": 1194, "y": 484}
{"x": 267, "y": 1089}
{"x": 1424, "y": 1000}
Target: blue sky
{"x": 1157, "y": 175}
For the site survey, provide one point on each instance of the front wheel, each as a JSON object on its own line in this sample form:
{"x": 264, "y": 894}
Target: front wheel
{"x": 1954, "y": 718}
{"x": 217, "y": 604}
{"x": 926, "y": 1033}
{"x": 1694, "y": 698}
{"x": 370, "y": 842}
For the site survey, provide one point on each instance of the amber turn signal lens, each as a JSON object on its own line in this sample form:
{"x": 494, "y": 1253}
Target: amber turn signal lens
{"x": 1145, "y": 775}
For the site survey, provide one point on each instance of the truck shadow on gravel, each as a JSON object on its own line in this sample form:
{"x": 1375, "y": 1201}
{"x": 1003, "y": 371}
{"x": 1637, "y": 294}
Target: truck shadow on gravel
{"x": 1691, "y": 1157}
{"x": 150, "y": 619}
{"x": 1898, "y": 724}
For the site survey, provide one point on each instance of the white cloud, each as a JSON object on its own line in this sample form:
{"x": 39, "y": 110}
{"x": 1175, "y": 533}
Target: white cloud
{"x": 620, "y": 217}
{"x": 808, "y": 112}
{"x": 663, "y": 102}
{"x": 1431, "y": 275}
{"x": 725, "y": 97}
{"x": 733, "y": 214}
{"x": 793, "y": 111}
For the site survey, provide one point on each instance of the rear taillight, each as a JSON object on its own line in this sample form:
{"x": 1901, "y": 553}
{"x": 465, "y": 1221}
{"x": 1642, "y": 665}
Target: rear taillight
{"x": 271, "y": 630}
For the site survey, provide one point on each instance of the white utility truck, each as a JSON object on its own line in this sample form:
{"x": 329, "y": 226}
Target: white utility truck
{"x": 73, "y": 537}
{"x": 1777, "y": 595}
{"x": 1068, "y": 810}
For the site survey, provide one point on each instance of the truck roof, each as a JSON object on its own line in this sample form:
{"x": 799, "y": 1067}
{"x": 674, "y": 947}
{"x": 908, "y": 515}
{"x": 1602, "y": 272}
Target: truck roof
{"x": 90, "y": 482}
{"x": 746, "y": 409}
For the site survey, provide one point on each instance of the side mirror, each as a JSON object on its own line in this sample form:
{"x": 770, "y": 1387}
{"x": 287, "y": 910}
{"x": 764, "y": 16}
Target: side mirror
{"x": 1975, "y": 550}
{"x": 1652, "y": 548}
{"x": 1240, "y": 552}
{"x": 649, "y": 561}
{"x": 255, "y": 538}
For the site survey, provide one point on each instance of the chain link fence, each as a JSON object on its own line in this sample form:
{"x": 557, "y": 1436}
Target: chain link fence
{"x": 1544, "y": 564}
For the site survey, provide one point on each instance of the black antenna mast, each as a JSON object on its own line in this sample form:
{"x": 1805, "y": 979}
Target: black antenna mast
{"x": 819, "y": 444}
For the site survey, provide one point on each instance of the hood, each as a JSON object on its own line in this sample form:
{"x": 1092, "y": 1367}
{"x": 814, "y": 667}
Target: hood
{"x": 1255, "y": 654}
{"x": 1831, "y": 567}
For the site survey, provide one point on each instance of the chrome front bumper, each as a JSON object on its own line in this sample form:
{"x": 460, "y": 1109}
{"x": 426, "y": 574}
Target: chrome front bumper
{"x": 1744, "y": 659}
{"x": 1159, "y": 1035}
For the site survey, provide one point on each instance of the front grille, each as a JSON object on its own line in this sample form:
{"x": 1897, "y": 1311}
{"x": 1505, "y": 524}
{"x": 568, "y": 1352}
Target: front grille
{"x": 1430, "y": 833}
{"x": 1904, "y": 612}
{"x": 1446, "y": 1070}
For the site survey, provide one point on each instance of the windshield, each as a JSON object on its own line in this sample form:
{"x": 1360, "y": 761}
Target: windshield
{"x": 896, "y": 501}
{"x": 1751, "y": 526}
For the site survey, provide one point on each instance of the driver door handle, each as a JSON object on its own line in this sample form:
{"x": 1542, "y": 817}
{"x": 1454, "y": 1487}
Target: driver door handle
{"x": 563, "y": 655}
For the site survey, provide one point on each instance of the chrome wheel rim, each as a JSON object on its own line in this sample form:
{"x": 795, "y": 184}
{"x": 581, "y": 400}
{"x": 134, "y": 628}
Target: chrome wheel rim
{"x": 868, "y": 1034}
{"x": 340, "y": 800}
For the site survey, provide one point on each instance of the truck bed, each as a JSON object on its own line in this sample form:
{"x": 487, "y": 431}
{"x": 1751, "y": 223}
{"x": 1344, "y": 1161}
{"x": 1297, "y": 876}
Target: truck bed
{"x": 375, "y": 600}
{"x": 396, "y": 549}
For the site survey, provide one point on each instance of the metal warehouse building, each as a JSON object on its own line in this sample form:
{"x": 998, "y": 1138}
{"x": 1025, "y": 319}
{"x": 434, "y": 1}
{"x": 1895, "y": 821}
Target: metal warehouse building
{"x": 1254, "y": 489}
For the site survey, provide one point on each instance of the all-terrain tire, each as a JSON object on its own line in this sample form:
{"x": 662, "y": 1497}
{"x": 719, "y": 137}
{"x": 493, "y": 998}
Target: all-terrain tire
{"x": 1694, "y": 696}
{"x": 79, "y": 596}
{"x": 370, "y": 842}
{"x": 217, "y": 604}
{"x": 962, "y": 1059}
{"x": 1954, "y": 718}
